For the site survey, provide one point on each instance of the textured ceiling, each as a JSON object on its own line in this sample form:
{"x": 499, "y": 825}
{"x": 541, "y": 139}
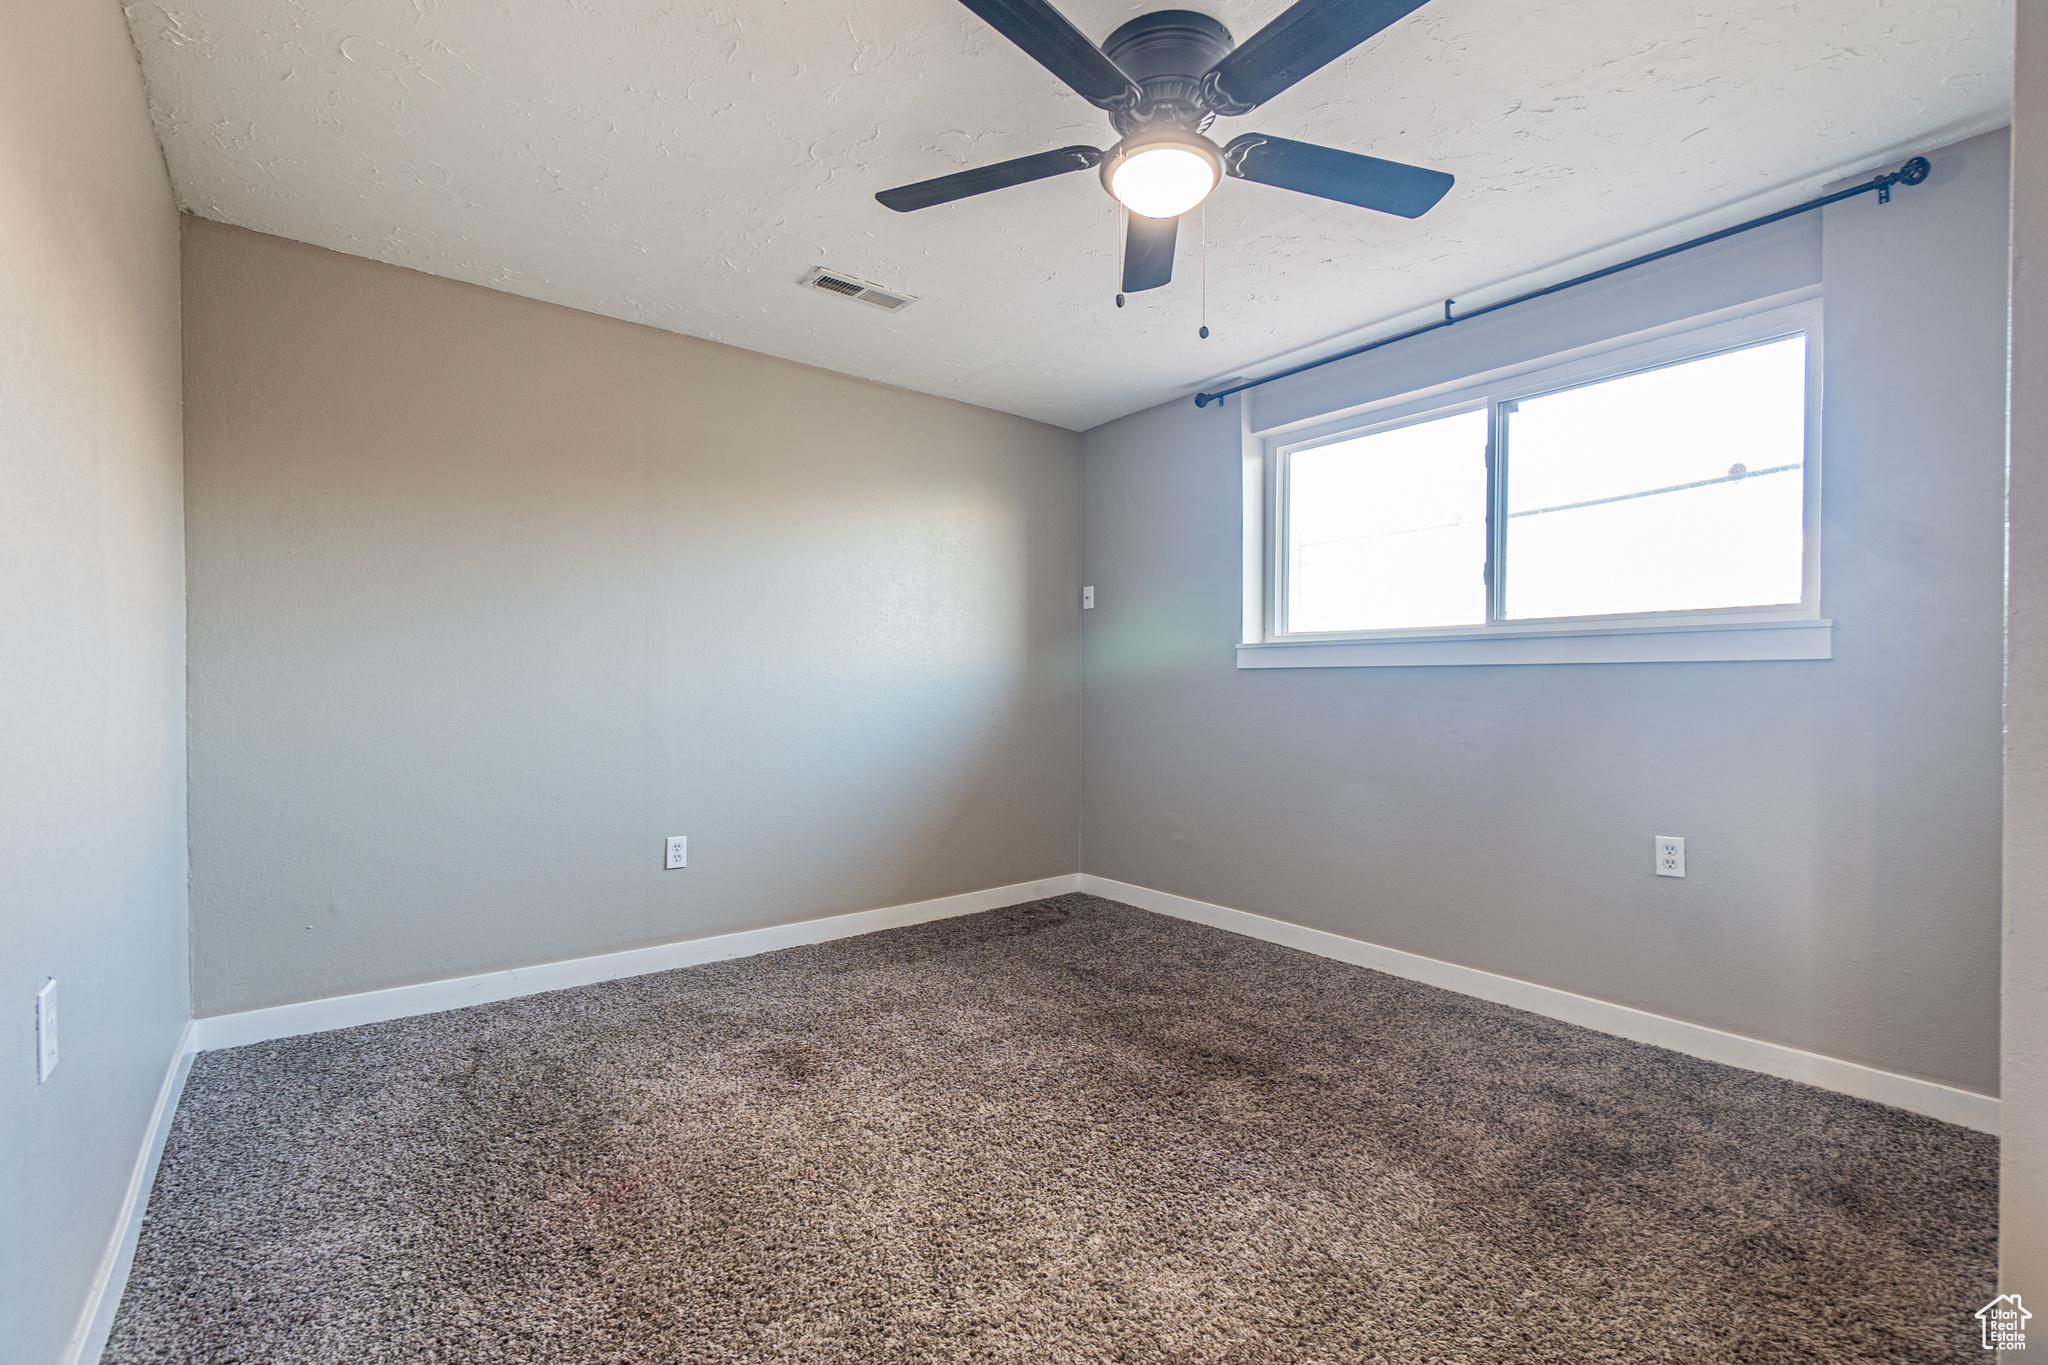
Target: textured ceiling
{"x": 683, "y": 163}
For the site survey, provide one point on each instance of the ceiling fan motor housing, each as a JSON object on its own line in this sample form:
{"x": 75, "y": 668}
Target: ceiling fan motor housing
{"x": 1166, "y": 53}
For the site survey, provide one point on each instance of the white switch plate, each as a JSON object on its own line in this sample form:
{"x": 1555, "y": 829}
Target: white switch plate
{"x": 678, "y": 852}
{"x": 1670, "y": 856}
{"x": 46, "y": 1030}
{"x": 1087, "y": 599}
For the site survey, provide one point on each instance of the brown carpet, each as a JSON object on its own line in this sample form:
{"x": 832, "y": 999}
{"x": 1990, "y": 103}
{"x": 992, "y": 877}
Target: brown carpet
{"x": 1065, "y": 1131}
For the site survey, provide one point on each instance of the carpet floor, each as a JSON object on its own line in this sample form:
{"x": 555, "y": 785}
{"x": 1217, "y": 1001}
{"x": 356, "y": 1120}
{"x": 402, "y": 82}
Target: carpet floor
{"x": 1066, "y": 1131}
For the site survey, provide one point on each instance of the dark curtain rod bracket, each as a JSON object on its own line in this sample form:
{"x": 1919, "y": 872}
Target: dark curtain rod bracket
{"x": 1912, "y": 173}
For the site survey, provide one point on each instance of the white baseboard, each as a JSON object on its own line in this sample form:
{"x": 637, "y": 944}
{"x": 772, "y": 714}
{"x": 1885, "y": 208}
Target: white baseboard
{"x": 1947, "y": 1103}
{"x": 431, "y": 997}
{"x": 1964, "y": 1107}
{"x": 96, "y": 1318}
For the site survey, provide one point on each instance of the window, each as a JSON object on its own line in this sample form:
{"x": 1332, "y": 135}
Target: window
{"x": 1667, "y": 488}
{"x": 1673, "y": 489}
{"x": 1389, "y": 530}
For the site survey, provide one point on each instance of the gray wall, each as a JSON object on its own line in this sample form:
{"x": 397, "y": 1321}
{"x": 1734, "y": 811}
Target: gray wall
{"x": 2023, "y": 1173}
{"x": 1841, "y": 816}
{"x": 92, "y": 618}
{"x": 489, "y": 596}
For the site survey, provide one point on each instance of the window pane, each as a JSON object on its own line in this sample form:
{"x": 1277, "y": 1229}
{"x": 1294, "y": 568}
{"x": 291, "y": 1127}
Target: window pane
{"x": 1389, "y": 530}
{"x": 1671, "y": 490}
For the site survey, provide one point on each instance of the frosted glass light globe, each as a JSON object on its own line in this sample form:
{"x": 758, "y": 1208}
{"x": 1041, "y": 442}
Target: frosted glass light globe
{"x": 1162, "y": 182}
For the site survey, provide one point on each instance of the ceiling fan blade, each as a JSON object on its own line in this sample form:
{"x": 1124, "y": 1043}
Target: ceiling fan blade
{"x": 1308, "y": 36}
{"x": 963, "y": 184}
{"x": 1055, "y": 44}
{"x": 1347, "y": 177}
{"x": 1148, "y": 252}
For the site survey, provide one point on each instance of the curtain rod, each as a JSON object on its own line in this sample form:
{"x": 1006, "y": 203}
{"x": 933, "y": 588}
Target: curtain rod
{"x": 1912, "y": 173}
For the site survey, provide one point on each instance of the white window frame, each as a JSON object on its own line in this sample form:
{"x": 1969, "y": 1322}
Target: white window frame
{"x": 1796, "y": 631}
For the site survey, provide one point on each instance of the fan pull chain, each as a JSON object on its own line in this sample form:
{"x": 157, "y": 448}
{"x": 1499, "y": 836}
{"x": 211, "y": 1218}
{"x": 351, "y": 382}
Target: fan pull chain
{"x": 1205, "y": 270}
{"x": 1123, "y": 244}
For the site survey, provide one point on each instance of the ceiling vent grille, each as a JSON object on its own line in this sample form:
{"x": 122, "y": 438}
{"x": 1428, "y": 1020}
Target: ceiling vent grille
{"x": 832, "y": 282}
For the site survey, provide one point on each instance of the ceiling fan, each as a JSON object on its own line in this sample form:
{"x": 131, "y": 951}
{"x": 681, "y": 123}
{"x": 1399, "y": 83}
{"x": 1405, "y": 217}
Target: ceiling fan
{"x": 1163, "y": 78}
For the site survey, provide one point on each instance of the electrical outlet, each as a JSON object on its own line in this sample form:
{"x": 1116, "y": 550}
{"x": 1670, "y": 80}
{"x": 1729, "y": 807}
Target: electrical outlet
{"x": 678, "y": 852}
{"x": 1670, "y": 856}
{"x": 46, "y": 1030}
{"x": 1087, "y": 599}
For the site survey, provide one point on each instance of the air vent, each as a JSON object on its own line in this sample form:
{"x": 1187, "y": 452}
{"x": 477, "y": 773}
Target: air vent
{"x": 833, "y": 282}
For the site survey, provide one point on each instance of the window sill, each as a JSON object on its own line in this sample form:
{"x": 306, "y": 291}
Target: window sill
{"x": 1634, "y": 643}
